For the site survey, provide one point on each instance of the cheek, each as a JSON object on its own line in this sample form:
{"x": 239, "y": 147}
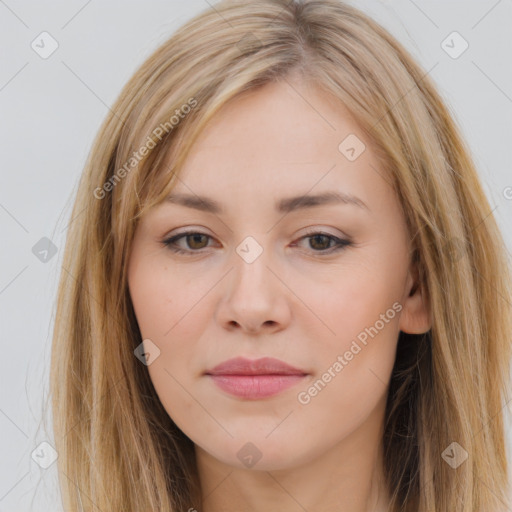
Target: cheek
{"x": 167, "y": 307}
{"x": 164, "y": 300}
{"x": 353, "y": 300}
{"x": 171, "y": 311}
{"x": 361, "y": 307}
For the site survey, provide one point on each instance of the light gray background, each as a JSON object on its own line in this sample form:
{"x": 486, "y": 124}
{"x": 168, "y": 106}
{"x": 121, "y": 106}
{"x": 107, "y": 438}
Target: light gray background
{"x": 50, "y": 110}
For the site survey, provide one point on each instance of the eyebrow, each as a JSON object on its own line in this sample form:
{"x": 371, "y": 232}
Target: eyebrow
{"x": 286, "y": 205}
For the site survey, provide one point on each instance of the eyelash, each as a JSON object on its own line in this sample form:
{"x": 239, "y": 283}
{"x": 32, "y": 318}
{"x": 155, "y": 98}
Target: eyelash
{"x": 340, "y": 242}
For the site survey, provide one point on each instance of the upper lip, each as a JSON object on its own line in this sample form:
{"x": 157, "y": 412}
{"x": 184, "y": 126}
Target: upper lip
{"x": 262, "y": 366}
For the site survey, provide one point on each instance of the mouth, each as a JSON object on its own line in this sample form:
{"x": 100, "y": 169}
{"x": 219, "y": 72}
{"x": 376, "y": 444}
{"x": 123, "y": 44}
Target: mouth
{"x": 255, "y": 379}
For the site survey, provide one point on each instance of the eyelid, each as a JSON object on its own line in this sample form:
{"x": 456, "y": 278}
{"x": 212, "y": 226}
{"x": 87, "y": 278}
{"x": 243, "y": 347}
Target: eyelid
{"x": 316, "y": 230}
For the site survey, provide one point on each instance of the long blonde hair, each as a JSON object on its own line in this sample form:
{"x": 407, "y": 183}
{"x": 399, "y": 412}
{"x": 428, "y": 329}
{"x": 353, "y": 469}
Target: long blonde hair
{"x": 118, "y": 448}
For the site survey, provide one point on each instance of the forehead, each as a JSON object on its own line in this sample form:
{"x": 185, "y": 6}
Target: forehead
{"x": 292, "y": 122}
{"x": 281, "y": 139}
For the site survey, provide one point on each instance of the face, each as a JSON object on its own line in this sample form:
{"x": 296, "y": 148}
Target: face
{"x": 321, "y": 285}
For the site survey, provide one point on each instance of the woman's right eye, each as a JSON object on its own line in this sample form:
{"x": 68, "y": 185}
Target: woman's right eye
{"x": 194, "y": 240}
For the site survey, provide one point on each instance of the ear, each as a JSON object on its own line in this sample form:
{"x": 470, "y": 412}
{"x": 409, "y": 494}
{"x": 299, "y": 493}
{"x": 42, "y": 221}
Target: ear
{"x": 415, "y": 317}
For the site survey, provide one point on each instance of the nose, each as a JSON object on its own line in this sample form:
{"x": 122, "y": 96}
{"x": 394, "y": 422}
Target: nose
{"x": 254, "y": 300}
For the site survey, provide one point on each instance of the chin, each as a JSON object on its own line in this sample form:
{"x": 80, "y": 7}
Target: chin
{"x": 259, "y": 454}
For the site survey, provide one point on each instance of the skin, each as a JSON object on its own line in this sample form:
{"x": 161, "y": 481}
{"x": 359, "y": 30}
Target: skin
{"x": 295, "y": 302}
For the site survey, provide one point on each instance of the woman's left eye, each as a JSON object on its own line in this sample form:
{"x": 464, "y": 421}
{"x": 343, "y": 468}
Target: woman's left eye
{"x": 318, "y": 242}
{"x": 326, "y": 243}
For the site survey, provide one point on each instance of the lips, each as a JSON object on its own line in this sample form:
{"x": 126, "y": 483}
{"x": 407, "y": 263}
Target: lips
{"x": 263, "y": 366}
{"x": 255, "y": 379}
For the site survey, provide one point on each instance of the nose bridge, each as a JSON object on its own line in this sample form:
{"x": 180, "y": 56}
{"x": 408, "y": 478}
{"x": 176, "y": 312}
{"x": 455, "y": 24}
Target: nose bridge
{"x": 250, "y": 260}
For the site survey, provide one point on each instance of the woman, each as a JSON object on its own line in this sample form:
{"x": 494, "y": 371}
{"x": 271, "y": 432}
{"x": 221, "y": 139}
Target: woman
{"x": 287, "y": 292}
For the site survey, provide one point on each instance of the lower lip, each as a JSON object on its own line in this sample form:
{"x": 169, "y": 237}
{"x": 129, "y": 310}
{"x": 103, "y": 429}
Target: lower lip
{"x": 255, "y": 386}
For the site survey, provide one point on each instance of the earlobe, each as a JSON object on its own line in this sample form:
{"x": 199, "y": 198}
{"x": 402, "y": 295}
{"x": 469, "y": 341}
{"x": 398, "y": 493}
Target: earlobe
{"x": 415, "y": 317}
